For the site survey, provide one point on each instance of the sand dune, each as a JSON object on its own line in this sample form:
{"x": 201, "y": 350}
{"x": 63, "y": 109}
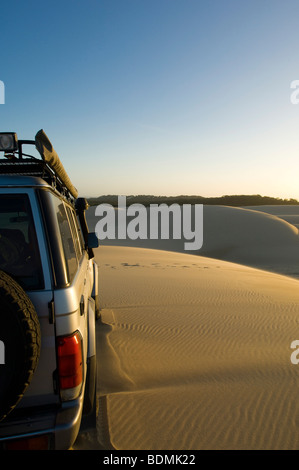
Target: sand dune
{"x": 288, "y": 213}
{"x": 251, "y": 237}
{"x": 246, "y": 236}
{"x": 193, "y": 351}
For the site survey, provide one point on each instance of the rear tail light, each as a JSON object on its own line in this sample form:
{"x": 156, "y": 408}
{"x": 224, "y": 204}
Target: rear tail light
{"x": 70, "y": 365}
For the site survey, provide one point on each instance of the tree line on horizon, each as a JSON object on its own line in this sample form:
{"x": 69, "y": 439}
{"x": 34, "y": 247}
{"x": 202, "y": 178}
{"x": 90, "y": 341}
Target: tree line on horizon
{"x": 227, "y": 200}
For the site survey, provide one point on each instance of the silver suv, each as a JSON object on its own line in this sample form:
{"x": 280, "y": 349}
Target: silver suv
{"x": 48, "y": 301}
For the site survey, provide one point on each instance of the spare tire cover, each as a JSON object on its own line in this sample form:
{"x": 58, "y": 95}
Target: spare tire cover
{"x": 20, "y": 343}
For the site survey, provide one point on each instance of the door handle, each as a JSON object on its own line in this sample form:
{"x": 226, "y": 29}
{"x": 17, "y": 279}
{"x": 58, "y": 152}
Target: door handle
{"x": 82, "y": 305}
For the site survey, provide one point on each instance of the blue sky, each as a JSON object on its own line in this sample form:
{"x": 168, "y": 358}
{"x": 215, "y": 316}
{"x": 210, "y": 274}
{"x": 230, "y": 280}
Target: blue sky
{"x": 160, "y": 97}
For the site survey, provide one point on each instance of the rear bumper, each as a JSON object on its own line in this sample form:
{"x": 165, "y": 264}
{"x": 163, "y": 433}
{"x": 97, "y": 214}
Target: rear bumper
{"x": 61, "y": 425}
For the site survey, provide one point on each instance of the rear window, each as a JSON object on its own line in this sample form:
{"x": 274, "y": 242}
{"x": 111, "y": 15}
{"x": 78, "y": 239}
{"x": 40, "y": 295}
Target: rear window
{"x": 19, "y": 253}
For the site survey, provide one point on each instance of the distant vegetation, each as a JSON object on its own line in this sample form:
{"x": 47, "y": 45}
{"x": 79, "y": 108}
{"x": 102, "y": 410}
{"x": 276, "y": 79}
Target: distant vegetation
{"x": 234, "y": 200}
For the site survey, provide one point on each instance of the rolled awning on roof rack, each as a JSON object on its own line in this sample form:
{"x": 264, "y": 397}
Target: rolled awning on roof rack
{"x": 49, "y": 155}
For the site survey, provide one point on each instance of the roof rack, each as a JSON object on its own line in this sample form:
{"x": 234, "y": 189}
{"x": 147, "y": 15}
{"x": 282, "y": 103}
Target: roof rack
{"x": 49, "y": 167}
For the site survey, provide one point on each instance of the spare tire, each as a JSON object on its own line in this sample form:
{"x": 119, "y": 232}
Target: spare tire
{"x": 20, "y": 340}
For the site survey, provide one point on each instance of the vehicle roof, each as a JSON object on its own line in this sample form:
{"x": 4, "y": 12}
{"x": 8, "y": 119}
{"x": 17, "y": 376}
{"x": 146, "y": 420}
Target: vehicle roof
{"x": 20, "y": 180}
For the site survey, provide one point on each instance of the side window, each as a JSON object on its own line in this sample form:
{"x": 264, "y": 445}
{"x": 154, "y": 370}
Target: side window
{"x": 66, "y": 238}
{"x": 81, "y": 240}
{"x": 75, "y": 233}
{"x": 82, "y": 243}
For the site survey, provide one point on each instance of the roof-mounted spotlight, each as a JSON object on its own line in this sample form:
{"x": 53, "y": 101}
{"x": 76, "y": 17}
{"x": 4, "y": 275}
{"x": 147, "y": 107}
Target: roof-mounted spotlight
{"x": 8, "y": 142}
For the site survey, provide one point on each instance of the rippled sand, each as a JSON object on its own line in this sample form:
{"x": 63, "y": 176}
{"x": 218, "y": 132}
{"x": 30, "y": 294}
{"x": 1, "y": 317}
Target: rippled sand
{"x": 194, "y": 353}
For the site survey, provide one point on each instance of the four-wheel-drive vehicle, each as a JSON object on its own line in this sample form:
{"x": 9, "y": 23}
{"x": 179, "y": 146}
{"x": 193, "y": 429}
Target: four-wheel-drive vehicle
{"x": 48, "y": 301}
